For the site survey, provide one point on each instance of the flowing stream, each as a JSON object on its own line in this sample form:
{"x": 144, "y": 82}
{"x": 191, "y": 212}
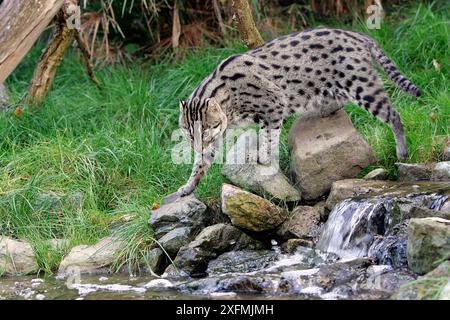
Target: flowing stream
{"x": 340, "y": 267}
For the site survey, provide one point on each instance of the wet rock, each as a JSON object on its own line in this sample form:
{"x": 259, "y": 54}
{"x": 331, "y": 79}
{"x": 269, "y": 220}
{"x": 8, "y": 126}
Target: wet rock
{"x": 250, "y": 211}
{"x": 377, "y": 174}
{"x": 434, "y": 285}
{"x": 243, "y": 261}
{"x": 211, "y": 242}
{"x": 302, "y": 223}
{"x": 350, "y": 188}
{"x": 421, "y": 212}
{"x": 16, "y": 257}
{"x": 242, "y": 283}
{"x": 291, "y": 245}
{"x": 243, "y": 170}
{"x": 390, "y": 248}
{"x": 90, "y": 259}
{"x": 324, "y": 279}
{"x": 183, "y": 212}
{"x": 411, "y": 172}
{"x": 324, "y": 150}
{"x": 155, "y": 261}
{"x": 428, "y": 243}
{"x": 175, "y": 239}
{"x": 359, "y": 188}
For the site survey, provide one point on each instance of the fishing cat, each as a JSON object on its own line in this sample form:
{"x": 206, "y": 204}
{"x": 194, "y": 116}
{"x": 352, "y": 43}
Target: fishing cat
{"x": 267, "y": 84}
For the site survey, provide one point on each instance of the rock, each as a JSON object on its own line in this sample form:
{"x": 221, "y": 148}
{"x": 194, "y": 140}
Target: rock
{"x": 377, "y": 174}
{"x": 243, "y": 170}
{"x": 291, "y": 245}
{"x": 441, "y": 171}
{"x": 243, "y": 261}
{"x": 390, "y": 248}
{"x": 250, "y": 211}
{"x": 411, "y": 172}
{"x": 155, "y": 261}
{"x": 16, "y": 257}
{"x": 211, "y": 242}
{"x": 344, "y": 280}
{"x": 90, "y": 259}
{"x": 184, "y": 212}
{"x": 428, "y": 243}
{"x": 434, "y": 285}
{"x": 324, "y": 150}
{"x": 229, "y": 286}
{"x": 175, "y": 239}
{"x": 303, "y": 223}
{"x": 421, "y": 212}
{"x": 351, "y": 188}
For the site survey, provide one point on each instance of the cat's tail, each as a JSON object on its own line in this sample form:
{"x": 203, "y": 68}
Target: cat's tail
{"x": 391, "y": 70}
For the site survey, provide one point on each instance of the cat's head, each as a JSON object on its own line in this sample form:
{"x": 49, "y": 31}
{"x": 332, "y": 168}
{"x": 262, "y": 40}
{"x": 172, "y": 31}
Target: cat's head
{"x": 202, "y": 122}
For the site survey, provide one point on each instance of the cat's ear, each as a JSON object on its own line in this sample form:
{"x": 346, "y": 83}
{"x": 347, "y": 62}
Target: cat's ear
{"x": 182, "y": 105}
{"x": 215, "y": 113}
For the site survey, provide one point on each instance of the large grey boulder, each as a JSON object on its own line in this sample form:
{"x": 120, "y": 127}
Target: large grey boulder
{"x": 324, "y": 150}
{"x": 93, "y": 259}
{"x": 250, "y": 211}
{"x": 428, "y": 243}
{"x": 183, "y": 212}
{"x": 214, "y": 240}
{"x": 433, "y": 285}
{"x": 242, "y": 169}
{"x": 411, "y": 172}
{"x": 16, "y": 257}
{"x": 155, "y": 261}
{"x": 303, "y": 223}
{"x": 175, "y": 239}
{"x": 177, "y": 223}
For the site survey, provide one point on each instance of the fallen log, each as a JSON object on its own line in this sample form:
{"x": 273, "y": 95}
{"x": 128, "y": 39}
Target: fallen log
{"x": 21, "y": 24}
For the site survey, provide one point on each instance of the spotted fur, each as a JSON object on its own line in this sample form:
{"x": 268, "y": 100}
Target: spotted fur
{"x": 312, "y": 73}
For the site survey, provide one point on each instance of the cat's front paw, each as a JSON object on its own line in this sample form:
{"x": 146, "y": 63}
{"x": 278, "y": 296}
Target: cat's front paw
{"x": 402, "y": 154}
{"x": 264, "y": 160}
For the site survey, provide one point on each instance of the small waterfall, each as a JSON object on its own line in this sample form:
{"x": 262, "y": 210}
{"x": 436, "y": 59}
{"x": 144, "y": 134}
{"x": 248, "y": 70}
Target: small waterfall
{"x": 352, "y": 226}
{"x": 359, "y": 228}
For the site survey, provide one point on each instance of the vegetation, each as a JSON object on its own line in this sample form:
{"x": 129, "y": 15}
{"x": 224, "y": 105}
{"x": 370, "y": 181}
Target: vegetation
{"x": 89, "y": 157}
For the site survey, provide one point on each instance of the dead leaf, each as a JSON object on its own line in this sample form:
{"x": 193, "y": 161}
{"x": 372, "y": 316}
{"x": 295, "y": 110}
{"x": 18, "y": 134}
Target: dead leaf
{"x": 18, "y": 112}
{"x": 155, "y": 206}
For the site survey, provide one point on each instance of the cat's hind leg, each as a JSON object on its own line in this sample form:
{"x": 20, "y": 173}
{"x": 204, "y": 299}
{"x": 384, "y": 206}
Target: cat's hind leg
{"x": 376, "y": 101}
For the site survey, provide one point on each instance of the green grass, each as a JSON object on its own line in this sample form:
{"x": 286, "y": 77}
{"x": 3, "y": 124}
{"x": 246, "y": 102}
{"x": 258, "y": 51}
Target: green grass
{"x": 87, "y": 157}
